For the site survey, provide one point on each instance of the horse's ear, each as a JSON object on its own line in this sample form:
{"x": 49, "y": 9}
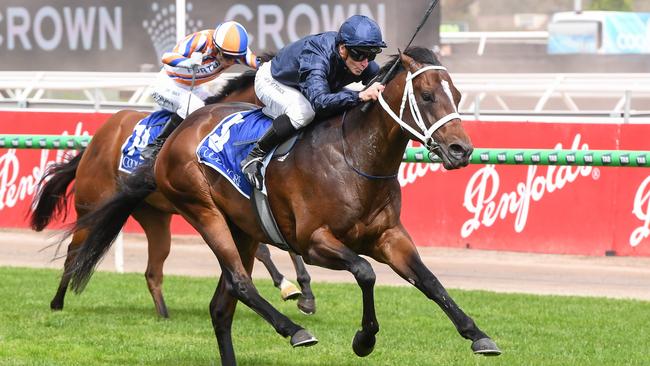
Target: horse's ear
{"x": 407, "y": 61}
{"x": 456, "y": 94}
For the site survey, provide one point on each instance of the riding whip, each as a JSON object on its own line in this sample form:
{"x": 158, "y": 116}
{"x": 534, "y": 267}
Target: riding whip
{"x": 392, "y": 69}
{"x": 189, "y": 98}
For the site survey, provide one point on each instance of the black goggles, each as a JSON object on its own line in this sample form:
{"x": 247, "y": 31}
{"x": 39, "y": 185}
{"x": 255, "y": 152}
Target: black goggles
{"x": 360, "y": 54}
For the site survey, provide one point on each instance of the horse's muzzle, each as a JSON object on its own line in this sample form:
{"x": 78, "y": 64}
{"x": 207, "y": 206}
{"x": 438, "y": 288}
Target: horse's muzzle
{"x": 455, "y": 155}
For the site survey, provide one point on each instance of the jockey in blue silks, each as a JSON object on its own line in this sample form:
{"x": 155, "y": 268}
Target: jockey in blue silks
{"x": 306, "y": 78}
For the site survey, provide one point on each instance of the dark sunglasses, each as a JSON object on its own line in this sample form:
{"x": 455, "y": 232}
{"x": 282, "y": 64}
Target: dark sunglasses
{"x": 360, "y": 55}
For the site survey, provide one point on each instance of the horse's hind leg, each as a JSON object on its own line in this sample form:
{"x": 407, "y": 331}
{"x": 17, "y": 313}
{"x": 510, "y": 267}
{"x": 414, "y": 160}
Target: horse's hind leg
{"x": 156, "y": 227}
{"x": 210, "y": 222}
{"x": 223, "y": 304}
{"x": 306, "y": 301}
{"x": 78, "y": 237}
{"x": 288, "y": 290}
{"x": 397, "y": 250}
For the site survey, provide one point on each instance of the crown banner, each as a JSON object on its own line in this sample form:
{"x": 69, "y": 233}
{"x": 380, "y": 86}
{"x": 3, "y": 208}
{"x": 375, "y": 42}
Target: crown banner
{"x": 121, "y": 35}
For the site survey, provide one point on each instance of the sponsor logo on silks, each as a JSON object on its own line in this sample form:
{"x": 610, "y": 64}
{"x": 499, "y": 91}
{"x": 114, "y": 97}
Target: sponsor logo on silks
{"x": 483, "y": 201}
{"x": 641, "y": 209}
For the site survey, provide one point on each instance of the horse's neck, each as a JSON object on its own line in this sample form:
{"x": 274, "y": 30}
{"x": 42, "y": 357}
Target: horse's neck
{"x": 374, "y": 144}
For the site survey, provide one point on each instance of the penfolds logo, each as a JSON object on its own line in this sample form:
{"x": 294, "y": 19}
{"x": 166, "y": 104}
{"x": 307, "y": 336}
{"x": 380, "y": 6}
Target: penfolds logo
{"x": 15, "y": 187}
{"x": 487, "y": 204}
{"x": 410, "y": 172}
{"x": 642, "y": 211}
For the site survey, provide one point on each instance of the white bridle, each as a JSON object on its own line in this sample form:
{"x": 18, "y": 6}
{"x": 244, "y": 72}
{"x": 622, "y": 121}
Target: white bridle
{"x": 425, "y": 135}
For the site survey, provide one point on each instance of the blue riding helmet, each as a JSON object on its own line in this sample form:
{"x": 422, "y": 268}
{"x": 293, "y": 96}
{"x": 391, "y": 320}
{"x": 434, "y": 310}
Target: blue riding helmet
{"x": 361, "y": 31}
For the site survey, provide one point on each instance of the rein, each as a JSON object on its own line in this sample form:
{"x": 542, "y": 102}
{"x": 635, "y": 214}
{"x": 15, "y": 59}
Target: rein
{"x": 345, "y": 157}
{"x": 424, "y": 135}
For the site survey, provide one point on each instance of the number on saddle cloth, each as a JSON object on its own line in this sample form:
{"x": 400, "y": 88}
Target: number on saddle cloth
{"x": 229, "y": 143}
{"x": 144, "y": 132}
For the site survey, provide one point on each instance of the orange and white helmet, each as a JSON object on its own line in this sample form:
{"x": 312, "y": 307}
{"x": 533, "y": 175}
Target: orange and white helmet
{"x": 231, "y": 38}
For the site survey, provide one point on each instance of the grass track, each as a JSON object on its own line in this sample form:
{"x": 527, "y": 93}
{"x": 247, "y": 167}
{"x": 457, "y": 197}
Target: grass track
{"x": 113, "y": 323}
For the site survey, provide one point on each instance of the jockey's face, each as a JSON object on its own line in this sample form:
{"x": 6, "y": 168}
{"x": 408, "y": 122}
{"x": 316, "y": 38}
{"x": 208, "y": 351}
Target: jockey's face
{"x": 225, "y": 60}
{"x": 355, "y": 67}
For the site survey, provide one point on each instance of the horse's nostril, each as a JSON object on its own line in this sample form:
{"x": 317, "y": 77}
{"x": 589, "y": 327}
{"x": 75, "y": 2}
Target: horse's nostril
{"x": 459, "y": 151}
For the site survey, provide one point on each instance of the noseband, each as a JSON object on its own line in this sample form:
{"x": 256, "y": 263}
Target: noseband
{"x": 425, "y": 135}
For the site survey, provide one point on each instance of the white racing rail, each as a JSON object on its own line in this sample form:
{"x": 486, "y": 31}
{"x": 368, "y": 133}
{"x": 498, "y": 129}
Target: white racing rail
{"x": 482, "y": 38}
{"x": 485, "y": 96}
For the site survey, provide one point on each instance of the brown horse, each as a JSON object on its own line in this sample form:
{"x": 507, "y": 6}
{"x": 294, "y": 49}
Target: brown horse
{"x": 335, "y": 196}
{"x": 95, "y": 171}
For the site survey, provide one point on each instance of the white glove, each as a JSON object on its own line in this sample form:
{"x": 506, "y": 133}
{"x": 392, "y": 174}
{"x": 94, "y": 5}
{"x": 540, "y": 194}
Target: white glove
{"x": 195, "y": 60}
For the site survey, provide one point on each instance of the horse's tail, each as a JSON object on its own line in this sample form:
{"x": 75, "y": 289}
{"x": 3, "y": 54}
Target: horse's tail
{"x": 51, "y": 201}
{"x": 105, "y": 222}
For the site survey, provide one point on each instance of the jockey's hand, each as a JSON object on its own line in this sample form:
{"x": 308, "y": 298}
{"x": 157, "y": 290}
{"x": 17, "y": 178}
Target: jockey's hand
{"x": 196, "y": 59}
{"x": 193, "y": 62}
{"x": 372, "y": 93}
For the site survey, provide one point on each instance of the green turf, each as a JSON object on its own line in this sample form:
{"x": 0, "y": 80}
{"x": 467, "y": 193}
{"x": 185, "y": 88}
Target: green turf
{"x": 113, "y": 323}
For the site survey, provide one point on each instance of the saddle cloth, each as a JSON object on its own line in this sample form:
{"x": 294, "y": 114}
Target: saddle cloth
{"x": 229, "y": 143}
{"x": 144, "y": 132}
{"x": 222, "y": 149}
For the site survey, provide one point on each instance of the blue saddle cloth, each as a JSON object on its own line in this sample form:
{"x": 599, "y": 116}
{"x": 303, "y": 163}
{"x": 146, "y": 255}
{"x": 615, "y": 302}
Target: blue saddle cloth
{"x": 144, "y": 132}
{"x": 229, "y": 143}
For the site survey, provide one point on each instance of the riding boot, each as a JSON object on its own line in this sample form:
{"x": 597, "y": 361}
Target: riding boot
{"x": 251, "y": 166}
{"x": 151, "y": 150}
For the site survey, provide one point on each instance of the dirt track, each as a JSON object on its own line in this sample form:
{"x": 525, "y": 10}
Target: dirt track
{"x": 616, "y": 277}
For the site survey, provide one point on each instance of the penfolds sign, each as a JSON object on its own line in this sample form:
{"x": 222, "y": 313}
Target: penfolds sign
{"x": 547, "y": 209}
{"x": 484, "y": 200}
{"x": 641, "y": 209}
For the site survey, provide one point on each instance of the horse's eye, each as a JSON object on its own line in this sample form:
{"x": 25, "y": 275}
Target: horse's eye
{"x": 427, "y": 97}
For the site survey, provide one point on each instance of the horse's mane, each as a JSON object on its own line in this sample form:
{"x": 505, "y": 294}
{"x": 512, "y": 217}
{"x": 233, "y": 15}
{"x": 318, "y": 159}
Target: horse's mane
{"x": 418, "y": 54}
{"x": 244, "y": 80}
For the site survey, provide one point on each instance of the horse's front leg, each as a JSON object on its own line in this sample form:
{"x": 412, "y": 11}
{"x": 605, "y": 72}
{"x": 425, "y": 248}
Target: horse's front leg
{"x": 396, "y": 249}
{"x": 327, "y": 251}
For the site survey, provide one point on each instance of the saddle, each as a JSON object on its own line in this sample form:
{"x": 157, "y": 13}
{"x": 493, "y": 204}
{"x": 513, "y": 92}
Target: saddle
{"x": 228, "y": 144}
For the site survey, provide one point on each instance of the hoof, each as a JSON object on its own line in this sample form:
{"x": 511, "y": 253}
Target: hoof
{"x": 55, "y": 306}
{"x": 362, "y": 345}
{"x": 288, "y": 290}
{"x": 303, "y": 338}
{"x": 486, "y": 347}
{"x": 307, "y": 306}
{"x": 163, "y": 314}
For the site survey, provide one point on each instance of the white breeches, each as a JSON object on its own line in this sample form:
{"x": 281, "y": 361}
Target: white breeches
{"x": 175, "y": 98}
{"x": 281, "y": 99}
